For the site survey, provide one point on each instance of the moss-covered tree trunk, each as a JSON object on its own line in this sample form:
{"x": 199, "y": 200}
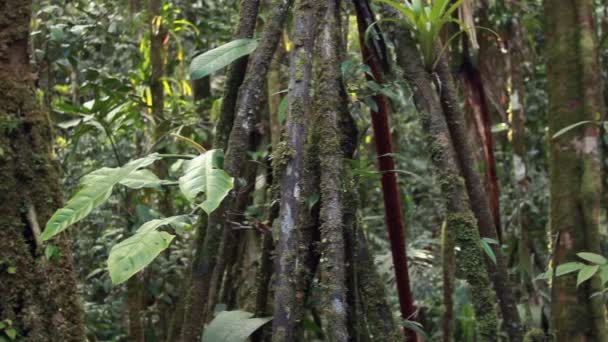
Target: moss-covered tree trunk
{"x": 575, "y": 95}
{"x": 38, "y": 299}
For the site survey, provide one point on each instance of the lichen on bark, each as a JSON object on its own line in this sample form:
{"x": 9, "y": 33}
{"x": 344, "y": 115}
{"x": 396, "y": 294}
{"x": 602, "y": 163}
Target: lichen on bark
{"x": 38, "y": 295}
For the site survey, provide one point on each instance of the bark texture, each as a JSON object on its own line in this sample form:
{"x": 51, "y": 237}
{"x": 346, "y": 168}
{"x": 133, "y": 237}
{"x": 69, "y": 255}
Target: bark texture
{"x": 288, "y": 301}
{"x": 240, "y": 136}
{"x": 328, "y": 105}
{"x": 375, "y": 56}
{"x": 38, "y": 296}
{"x": 460, "y": 218}
{"x": 479, "y": 201}
{"x": 575, "y": 94}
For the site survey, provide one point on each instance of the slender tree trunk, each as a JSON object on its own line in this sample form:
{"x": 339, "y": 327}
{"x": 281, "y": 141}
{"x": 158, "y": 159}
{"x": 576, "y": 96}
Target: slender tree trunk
{"x": 236, "y": 74}
{"x": 479, "y": 202}
{"x": 287, "y": 301}
{"x": 328, "y": 105}
{"x": 460, "y": 218}
{"x": 448, "y": 261}
{"x": 376, "y": 57}
{"x": 575, "y": 94}
{"x": 249, "y": 101}
{"x": 38, "y": 296}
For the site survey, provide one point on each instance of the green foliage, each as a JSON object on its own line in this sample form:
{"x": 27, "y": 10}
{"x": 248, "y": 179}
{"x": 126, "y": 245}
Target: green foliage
{"x": 220, "y": 57}
{"x": 7, "y": 330}
{"x": 203, "y": 175}
{"x": 485, "y": 245}
{"x": 92, "y": 195}
{"x": 426, "y": 20}
{"x": 417, "y": 327}
{"x": 599, "y": 266}
{"x": 133, "y": 254}
{"x": 233, "y": 326}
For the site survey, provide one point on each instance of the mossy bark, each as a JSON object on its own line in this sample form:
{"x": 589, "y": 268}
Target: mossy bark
{"x": 288, "y": 301}
{"x": 239, "y": 142}
{"x": 235, "y": 75}
{"x": 448, "y": 261}
{"x": 480, "y": 204}
{"x": 328, "y": 105}
{"x": 575, "y": 94}
{"x": 38, "y": 295}
{"x": 460, "y": 218}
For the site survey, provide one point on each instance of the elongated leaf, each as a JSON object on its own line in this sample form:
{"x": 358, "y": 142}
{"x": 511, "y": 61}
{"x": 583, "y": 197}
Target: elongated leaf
{"x": 213, "y": 60}
{"x": 453, "y": 7}
{"x": 417, "y": 327}
{"x": 569, "y": 128}
{"x": 407, "y": 12}
{"x": 133, "y": 254}
{"x": 203, "y": 175}
{"x": 136, "y": 180}
{"x": 561, "y": 270}
{"x": 91, "y": 196}
{"x": 586, "y": 273}
{"x": 488, "y": 249}
{"x": 592, "y": 257}
{"x": 233, "y": 326}
{"x": 568, "y": 267}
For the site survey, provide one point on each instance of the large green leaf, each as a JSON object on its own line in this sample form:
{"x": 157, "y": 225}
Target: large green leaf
{"x": 233, "y": 326}
{"x": 213, "y": 60}
{"x": 586, "y": 273}
{"x": 133, "y": 254}
{"x": 135, "y": 180}
{"x": 593, "y": 258}
{"x": 92, "y": 195}
{"x": 203, "y": 175}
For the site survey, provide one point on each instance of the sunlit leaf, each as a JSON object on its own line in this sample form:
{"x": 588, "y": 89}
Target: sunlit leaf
{"x": 133, "y": 254}
{"x": 213, "y": 60}
{"x": 592, "y": 257}
{"x": 233, "y": 326}
{"x": 586, "y": 273}
{"x": 91, "y": 196}
{"x": 203, "y": 175}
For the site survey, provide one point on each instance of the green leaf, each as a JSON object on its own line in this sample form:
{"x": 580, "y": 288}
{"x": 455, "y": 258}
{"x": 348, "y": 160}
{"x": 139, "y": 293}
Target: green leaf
{"x": 203, "y": 175}
{"x": 91, "y": 196}
{"x": 213, "y": 60}
{"x": 604, "y": 274}
{"x": 133, "y": 254}
{"x": 11, "y": 333}
{"x": 136, "y": 180}
{"x": 233, "y": 326}
{"x": 417, "y": 327}
{"x": 51, "y": 251}
{"x": 568, "y": 267}
{"x": 485, "y": 245}
{"x": 569, "y": 128}
{"x": 283, "y": 107}
{"x": 586, "y": 273}
{"x": 561, "y": 270}
{"x": 593, "y": 258}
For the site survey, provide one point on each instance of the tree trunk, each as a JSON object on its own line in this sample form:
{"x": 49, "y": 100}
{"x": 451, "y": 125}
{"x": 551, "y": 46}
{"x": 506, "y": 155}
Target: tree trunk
{"x": 376, "y": 57}
{"x": 238, "y": 142}
{"x": 291, "y": 157}
{"x": 575, "y": 94}
{"x": 328, "y": 107}
{"x": 38, "y": 296}
{"x": 460, "y": 218}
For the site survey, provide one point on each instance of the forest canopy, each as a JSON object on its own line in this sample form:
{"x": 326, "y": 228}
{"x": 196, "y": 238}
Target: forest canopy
{"x": 303, "y": 170}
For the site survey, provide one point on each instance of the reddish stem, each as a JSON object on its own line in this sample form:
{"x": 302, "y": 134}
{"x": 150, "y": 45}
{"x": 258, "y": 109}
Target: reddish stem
{"x": 386, "y": 164}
